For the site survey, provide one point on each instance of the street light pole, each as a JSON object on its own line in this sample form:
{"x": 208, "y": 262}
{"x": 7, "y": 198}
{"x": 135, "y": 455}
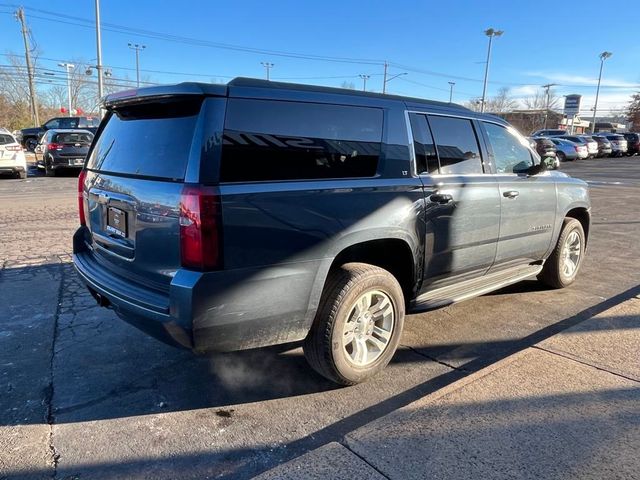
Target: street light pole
{"x": 546, "y": 112}
{"x": 364, "y": 81}
{"x": 489, "y": 33}
{"x": 387, "y": 80}
{"x": 451, "y": 84}
{"x": 137, "y": 47}
{"x": 603, "y": 57}
{"x": 99, "y": 55}
{"x": 67, "y": 67}
{"x": 268, "y": 66}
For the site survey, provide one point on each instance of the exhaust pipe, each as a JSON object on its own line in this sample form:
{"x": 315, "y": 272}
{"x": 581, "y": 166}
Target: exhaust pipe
{"x": 102, "y": 301}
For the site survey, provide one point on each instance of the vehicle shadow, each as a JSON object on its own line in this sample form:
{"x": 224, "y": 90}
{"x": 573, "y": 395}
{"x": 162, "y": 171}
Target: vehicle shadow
{"x": 102, "y": 368}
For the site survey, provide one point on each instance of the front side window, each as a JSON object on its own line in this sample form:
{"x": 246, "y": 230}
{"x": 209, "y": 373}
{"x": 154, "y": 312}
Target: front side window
{"x": 456, "y": 144}
{"x": 510, "y": 151}
{"x": 267, "y": 140}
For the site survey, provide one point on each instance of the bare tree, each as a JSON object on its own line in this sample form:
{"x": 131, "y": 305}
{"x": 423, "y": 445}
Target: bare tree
{"x": 538, "y": 101}
{"x": 502, "y": 102}
{"x": 348, "y": 85}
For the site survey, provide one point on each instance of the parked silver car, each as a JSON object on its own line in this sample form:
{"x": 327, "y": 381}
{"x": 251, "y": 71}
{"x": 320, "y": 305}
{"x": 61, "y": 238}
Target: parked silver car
{"x": 619, "y": 144}
{"x": 567, "y": 150}
{"x": 590, "y": 143}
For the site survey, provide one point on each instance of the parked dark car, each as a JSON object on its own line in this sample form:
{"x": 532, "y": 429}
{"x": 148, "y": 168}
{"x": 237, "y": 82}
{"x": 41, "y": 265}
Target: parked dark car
{"x": 633, "y": 143}
{"x": 228, "y": 217}
{"x": 63, "y": 150}
{"x": 547, "y": 151}
{"x": 604, "y": 146}
{"x": 30, "y": 137}
{"x": 551, "y": 132}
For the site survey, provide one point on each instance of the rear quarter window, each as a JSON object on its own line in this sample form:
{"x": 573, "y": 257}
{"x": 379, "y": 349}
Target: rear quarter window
{"x": 267, "y": 140}
{"x": 151, "y": 139}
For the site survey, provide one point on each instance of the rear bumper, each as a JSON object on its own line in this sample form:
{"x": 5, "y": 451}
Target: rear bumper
{"x": 12, "y": 169}
{"x": 216, "y": 311}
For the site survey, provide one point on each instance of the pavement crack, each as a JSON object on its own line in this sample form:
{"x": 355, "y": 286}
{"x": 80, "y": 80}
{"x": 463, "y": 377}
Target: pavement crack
{"x": 345, "y": 445}
{"x": 434, "y": 359}
{"x": 581, "y": 361}
{"x": 48, "y": 400}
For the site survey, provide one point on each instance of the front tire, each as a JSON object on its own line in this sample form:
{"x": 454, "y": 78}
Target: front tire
{"x": 562, "y": 267}
{"x": 358, "y": 325}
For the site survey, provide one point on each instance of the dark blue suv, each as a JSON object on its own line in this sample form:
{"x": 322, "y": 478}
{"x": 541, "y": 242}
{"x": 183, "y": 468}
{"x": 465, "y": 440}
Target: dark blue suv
{"x": 228, "y": 217}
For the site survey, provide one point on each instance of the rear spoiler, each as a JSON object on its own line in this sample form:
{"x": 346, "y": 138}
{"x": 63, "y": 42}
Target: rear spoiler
{"x": 137, "y": 95}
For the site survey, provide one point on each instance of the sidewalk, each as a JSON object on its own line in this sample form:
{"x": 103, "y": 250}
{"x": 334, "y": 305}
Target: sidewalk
{"x": 569, "y": 407}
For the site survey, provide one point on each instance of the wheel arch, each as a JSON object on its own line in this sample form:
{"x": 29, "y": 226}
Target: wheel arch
{"x": 583, "y": 215}
{"x": 393, "y": 254}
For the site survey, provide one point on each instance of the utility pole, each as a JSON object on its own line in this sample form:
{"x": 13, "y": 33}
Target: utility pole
{"x": 267, "y": 66}
{"x": 384, "y": 80}
{"x": 27, "y": 56}
{"x": 546, "y": 112}
{"x": 489, "y": 33}
{"x": 603, "y": 57}
{"x": 137, "y": 47}
{"x": 99, "y": 56}
{"x": 67, "y": 67}
{"x": 364, "y": 81}
{"x": 451, "y": 84}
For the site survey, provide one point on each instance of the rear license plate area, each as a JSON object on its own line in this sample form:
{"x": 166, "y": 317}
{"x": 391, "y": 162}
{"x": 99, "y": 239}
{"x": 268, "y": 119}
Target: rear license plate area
{"x": 117, "y": 222}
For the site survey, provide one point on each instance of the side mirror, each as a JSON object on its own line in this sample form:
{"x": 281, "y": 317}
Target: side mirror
{"x": 537, "y": 168}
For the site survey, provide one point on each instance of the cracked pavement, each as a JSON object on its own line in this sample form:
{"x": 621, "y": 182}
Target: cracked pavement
{"x": 84, "y": 395}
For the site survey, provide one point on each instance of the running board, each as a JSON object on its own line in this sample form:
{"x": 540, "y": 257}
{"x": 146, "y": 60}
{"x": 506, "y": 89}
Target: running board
{"x": 443, "y": 296}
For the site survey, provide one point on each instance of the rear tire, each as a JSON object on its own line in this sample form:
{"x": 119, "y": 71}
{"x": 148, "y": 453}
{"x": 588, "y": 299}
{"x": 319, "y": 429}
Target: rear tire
{"x": 358, "y": 324}
{"x": 48, "y": 169}
{"x": 562, "y": 267}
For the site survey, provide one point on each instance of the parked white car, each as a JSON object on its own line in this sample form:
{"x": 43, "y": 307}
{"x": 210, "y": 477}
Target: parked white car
{"x": 12, "y": 158}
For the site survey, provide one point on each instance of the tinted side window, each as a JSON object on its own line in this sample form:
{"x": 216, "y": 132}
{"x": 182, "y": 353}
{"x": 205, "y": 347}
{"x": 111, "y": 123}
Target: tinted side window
{"x": 510, "y": 151}
{"x": 68, "y": 122}
{"x": 53, "y": 123}
{"x": 456, "y": 144}
{"x": 426, "y": 159}
{"x": 269, "y": 140}
{"x": 6, "y": 139}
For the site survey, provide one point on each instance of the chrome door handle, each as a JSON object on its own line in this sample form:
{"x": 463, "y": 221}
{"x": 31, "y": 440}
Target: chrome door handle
{"x": 511, "y": 194}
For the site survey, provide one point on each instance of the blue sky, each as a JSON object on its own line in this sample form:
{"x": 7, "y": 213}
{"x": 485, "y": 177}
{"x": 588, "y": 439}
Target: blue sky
{"x": 435, "y": 42}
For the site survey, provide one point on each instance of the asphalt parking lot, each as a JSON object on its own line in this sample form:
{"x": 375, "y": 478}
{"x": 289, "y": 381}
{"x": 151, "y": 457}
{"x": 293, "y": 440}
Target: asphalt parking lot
{"x": 84, "y": 395}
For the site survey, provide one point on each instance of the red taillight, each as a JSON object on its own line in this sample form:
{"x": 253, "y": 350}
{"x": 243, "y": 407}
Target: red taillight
{"x": 200, "y": 228}
{"x": 55, "y": 146}
{"x": 81, "y": 178}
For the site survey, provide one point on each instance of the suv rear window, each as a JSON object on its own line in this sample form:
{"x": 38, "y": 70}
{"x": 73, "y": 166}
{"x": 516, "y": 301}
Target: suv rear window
{"x": 82, "y": 138}
{"x": 267, "y": 140}
{"x": 6, "y": 139}
{"x": 150, "y": 139}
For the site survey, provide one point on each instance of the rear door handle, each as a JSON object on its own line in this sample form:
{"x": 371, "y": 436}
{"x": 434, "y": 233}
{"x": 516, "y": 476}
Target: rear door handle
{"x": 441, "y": 198}
{"x": 511, "y": 194}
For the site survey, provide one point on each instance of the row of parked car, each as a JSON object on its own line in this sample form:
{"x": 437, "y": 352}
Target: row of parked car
{"x": 56, "y": 150}
{"x": 556, "y": 146}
